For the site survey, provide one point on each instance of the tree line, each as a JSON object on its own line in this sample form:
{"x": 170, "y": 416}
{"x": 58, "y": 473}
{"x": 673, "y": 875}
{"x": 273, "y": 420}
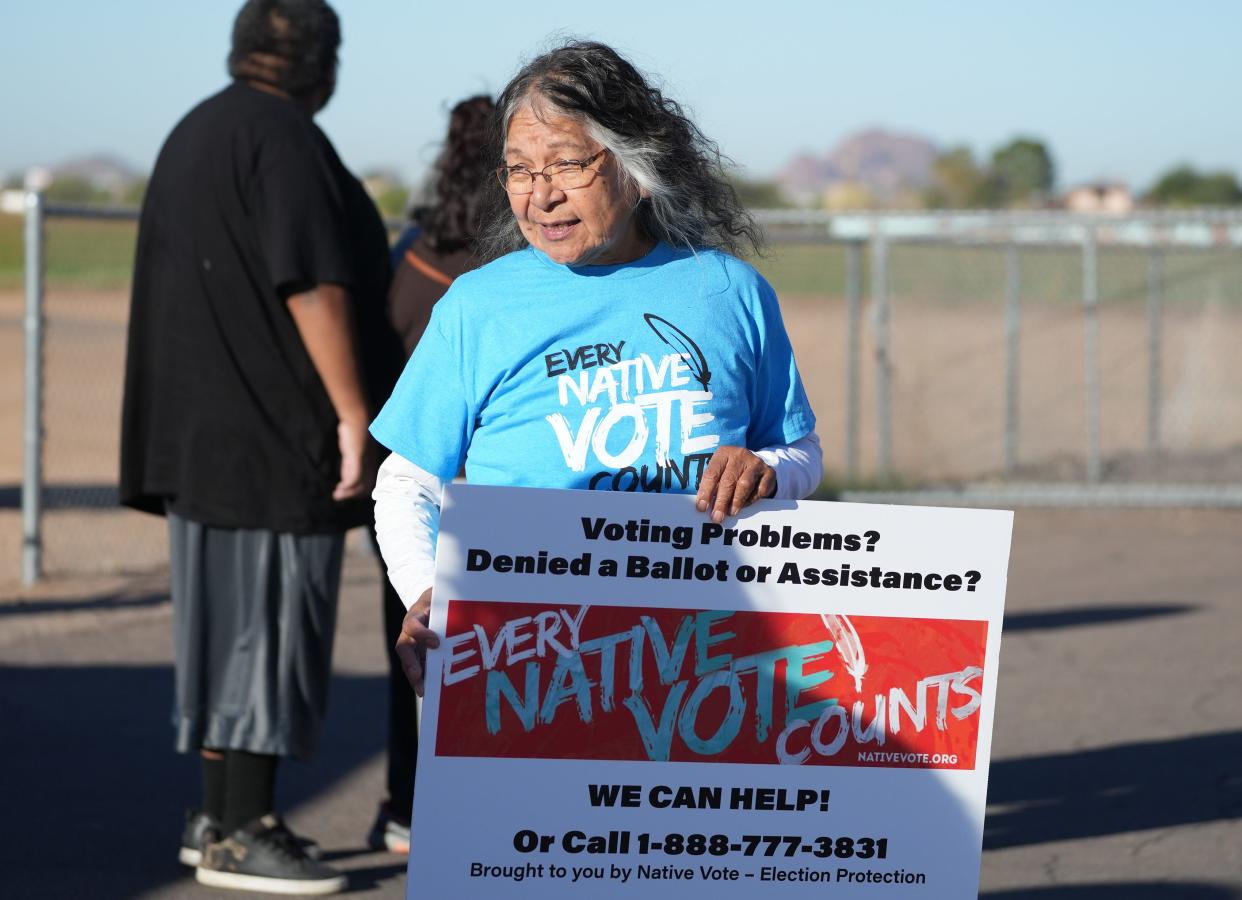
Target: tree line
{"x": 1019, "y": 174}
{"x": 1022, "y": 174}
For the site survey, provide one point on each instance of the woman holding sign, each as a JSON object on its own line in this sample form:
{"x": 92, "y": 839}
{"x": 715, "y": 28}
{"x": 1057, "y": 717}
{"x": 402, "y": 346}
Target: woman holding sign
{"x": 615, "y": 342}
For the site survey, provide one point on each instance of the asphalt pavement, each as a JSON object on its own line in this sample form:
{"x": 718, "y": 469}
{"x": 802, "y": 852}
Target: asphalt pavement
{"x": 1117, "y": 757}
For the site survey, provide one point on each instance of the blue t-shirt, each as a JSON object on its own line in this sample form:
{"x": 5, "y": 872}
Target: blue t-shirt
{"x": 599, "y": 377}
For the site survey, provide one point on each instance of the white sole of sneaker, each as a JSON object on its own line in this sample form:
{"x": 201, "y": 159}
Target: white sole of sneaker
{"x": 390, "y": 842}
{"x": 190, "y": 857}
{"x": 288, "y": 886}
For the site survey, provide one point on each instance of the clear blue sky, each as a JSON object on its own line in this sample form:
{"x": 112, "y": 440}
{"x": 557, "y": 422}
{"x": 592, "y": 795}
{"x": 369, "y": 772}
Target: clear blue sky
{"x": 1117, "y": 89}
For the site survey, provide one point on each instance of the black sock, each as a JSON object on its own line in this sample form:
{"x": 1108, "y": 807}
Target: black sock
{"x": 251, "y": 788}
{"x": 213, "y": 783}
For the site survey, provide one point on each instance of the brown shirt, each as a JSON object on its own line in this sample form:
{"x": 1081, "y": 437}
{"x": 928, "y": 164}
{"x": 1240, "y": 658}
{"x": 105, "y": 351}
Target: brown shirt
{"x": 420, "y": 280}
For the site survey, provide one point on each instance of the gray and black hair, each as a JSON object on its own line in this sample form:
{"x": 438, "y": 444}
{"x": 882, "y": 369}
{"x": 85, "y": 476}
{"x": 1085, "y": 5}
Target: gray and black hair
{"x": 688, "y": 201}
{"x": 289, "y": 44}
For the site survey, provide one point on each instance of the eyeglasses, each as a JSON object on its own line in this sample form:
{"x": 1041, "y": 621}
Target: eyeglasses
{"x": 564, "y": 175}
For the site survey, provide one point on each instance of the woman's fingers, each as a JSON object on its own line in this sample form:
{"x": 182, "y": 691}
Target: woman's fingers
{"x": 411, "y": 657}
{"x": 756, "y": 482}
{"x": 413, "y": 641}
{"x": 735, "y": 478}
{"x": 767, "y": 484}
{"x": 728, "y": 487}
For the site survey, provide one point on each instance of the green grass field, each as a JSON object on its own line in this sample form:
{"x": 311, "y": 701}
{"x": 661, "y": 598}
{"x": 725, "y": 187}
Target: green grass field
{"x": 99, "y": 255}
{"x": 80, "y": 253}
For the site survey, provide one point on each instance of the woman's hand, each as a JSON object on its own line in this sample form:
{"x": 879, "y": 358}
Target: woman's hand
{"x": 735, "y": 478}
{"x": 414, "y": 639}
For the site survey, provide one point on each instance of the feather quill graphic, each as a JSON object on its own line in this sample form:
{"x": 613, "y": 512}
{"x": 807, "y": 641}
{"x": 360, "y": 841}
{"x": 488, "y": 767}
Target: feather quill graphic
{"x": 686, "y": 348}
{"x": 848, "y": 645}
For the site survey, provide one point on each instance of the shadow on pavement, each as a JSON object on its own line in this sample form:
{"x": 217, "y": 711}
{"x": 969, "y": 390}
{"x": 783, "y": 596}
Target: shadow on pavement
{"x": 85, "y": 495}
{"x": 94, "y": 796}
{"x": 1130, "y": 890}
{"x": 86, "y": 604}
{"x": 1112, "y": 790}
{"x": 1087, "y": 615}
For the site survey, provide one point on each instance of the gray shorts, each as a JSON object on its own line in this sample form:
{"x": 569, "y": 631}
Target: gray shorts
{"x": 254, "y": 614}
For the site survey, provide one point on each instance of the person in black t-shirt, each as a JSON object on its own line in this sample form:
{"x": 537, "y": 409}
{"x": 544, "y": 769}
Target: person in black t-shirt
{"x": 259, "y": 350}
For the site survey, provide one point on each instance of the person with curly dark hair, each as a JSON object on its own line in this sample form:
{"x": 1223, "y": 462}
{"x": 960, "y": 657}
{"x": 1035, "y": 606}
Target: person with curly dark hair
{"x": 445, "y": 248}
{"x": 258, "y": 346}
{"x": 673, "y": 172}
{"x": 446, "y": 245}
{"x": 614, "y": 342}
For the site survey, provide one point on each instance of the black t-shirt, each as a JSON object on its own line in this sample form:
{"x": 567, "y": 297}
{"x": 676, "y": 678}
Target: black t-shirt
{"x": 225, "y": 419}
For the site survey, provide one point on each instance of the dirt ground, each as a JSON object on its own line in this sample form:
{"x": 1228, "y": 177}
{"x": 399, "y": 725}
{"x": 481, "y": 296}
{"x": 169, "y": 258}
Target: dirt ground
{"x": 948, "y": 390}
{"x": 84, "y": 365}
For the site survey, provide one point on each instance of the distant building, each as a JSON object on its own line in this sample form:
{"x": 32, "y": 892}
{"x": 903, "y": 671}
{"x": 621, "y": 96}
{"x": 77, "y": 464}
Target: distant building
{"x": 847, "y": 195}
{"x": 13, "y": 202}
{"x": 1108, "y": 198}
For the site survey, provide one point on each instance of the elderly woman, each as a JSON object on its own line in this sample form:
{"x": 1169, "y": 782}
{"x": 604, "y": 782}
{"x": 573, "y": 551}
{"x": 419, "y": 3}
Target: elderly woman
{"x": 613, "y": 343}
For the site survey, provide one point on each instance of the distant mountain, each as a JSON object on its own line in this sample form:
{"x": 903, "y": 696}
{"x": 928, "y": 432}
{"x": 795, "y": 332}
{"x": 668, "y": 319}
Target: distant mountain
{"x": 884, "y": 162}
{"x": 806, "y": 177}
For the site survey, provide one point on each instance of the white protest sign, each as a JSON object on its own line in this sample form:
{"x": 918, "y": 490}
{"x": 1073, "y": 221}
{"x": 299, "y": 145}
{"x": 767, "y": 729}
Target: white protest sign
{"x": 632, "y": 701}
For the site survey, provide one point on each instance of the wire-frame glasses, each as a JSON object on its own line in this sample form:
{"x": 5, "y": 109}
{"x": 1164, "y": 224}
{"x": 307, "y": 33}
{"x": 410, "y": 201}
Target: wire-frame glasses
{"x": 564, "y": 175}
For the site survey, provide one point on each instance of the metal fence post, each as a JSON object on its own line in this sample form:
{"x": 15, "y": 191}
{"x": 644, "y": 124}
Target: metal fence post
{"x": 1013, "y": 287}
{"x": 1091, "y": 328}
{"x": 1155, "y": 297}
{"x": 32, "y": 426}
{"x": 853, "y": 328}
{"x": 880, "y": 312}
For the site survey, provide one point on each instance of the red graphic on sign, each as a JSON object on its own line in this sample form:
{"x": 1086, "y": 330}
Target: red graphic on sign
{"x": 523, "y": 680}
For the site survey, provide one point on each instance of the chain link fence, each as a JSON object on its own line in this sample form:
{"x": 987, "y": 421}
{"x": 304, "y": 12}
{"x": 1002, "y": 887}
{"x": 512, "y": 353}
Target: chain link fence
{"x": 73, "y": 320}
{"x": 1021, "y": 358}
{"x": 982, "y": 358}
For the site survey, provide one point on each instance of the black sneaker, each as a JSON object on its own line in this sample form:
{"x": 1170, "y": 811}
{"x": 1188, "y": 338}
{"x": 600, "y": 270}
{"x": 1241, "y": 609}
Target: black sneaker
{"x": 261, "y": 857}
{"x": 201, "y": 829}
{"x": 308, "y": 847}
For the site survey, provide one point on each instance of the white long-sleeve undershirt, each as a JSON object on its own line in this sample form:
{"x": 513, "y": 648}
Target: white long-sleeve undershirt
{"x": 407, "y": 508}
